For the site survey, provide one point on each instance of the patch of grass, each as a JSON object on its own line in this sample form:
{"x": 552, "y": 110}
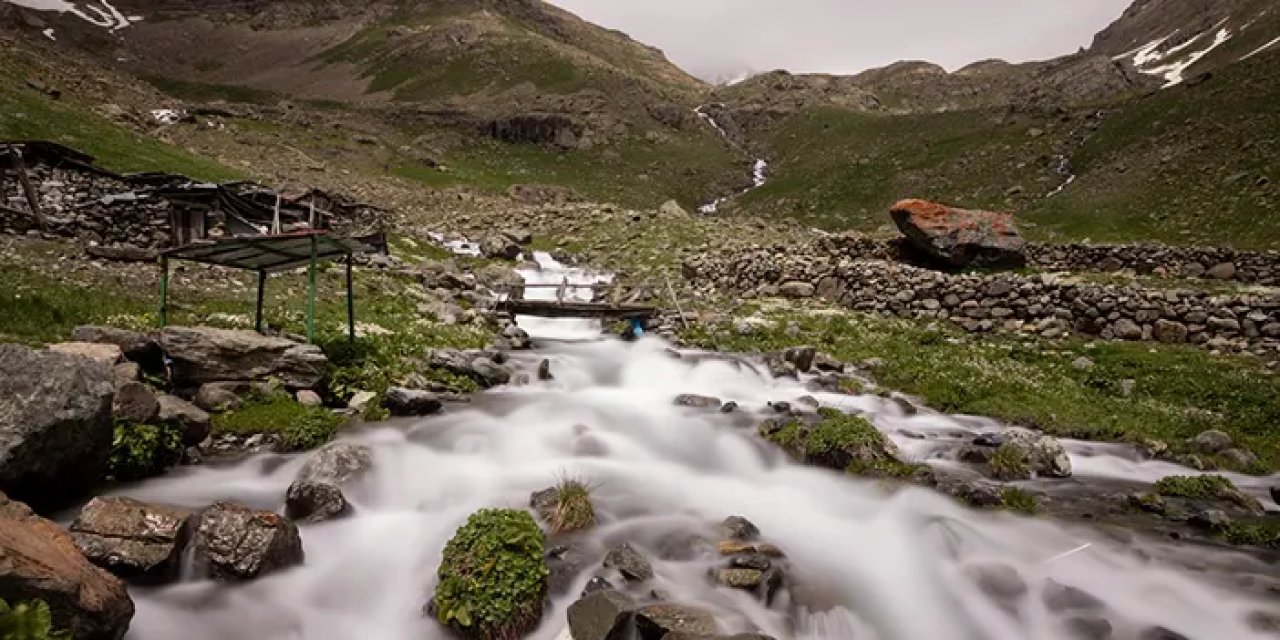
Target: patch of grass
{"x": 573, "y": 509}
{"x": 1179, "y": 392}
{"x": 25, "y": 114}
{"x": 35, "y": 309}
{"x": 493, "y": 576}
{"x": 300, "y": 427}
{"x": 1258, "y": 534}
{"x": 141, "y": 451}
{"x": 1198, "y": 487}
{"x": 1019, "y": 500}
{"x": 209, "y": 92}
{"x": 838, "y": 441}
{"x": 1009, "y": 462}
{"x": 889, "y": 469}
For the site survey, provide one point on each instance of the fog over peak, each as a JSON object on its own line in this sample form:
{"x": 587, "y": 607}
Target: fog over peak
{"x": 720, "y": 40}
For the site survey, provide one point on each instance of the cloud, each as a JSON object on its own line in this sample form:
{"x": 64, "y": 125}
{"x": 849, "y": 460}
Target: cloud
{"x": 719, "y": 39}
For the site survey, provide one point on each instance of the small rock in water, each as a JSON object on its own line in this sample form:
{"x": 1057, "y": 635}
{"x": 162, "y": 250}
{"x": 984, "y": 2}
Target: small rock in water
{"x": 781, "y": 407}
{"x": 596, "y": 583}
{"x": 728, "y": 407}
{"x": 234, "y": 542}
{"x": 601, "y": 615}
{"x": 739, "y": 528}
{"x": 740, "y": 578}
{"x": 633, "y": 566}
{"x": 757, "y": 561}
{"x": 412, "y": 402}
{"x": 316, "y": 492}
{"x": 1089, "y": 628}
{"x": 697, "y": 401}
{"x": 657, "y": 621}
{"x": 1160, "y": 633}
{"x": 998, "y": 580}
{"x": 1060, "y": 597}
{"x": 544, "y": 371}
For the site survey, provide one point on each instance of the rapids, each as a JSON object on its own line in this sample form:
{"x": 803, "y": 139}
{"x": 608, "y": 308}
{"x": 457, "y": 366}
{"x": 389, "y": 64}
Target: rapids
{"x": 866, "y": 563}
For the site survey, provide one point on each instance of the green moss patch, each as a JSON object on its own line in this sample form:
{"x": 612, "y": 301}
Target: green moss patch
{"x": 1198, "y": 487}
{"x": 493, "y": 576}
{"x": 1010, "y": 462}
{"x": 299, "y": 427}
{"x": 838, "y": 441}
{"x": 1257, "y": 534}
{"x": 1019, "y": 500}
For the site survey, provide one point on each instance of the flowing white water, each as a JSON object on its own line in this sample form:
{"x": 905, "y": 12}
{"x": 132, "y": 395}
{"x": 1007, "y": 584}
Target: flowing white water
{"x": 866, "y": 564}
{"x": 759, "y": 168}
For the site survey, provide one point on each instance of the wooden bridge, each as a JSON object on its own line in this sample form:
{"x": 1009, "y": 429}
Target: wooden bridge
{"x": 608, "y": 300}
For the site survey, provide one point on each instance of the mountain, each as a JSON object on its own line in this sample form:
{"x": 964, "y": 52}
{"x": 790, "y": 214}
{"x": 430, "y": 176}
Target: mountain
{"x": 1179, "y": 39}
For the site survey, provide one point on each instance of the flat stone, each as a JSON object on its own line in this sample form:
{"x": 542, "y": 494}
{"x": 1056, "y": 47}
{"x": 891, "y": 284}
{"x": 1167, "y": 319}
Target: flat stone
{"x": 740, "y": 578}
{"x": 108, "y": 354}
{"x": 137, "y": 541}
{"x": 411, "y": 402}
{"x": 655, "y": 621}
{"x": 603, "y": 615}
{"x": 630, "y": 563}
{"x": 697, "y": 401}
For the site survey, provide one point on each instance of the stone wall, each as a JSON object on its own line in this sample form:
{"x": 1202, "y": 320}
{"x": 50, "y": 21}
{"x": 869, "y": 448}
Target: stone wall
{"x": 87, "y": 206}
{"x": 1255, "y": 267}
{"x": 1046, "y": 305}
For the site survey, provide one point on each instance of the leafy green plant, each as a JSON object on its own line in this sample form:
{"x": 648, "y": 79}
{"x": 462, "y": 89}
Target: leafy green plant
{"x": 1009, "y": 462}
{"x": 28, "y": 621}
{"x": 493, "y": 576}
{"x": 142, "y": 450}
{"x": 299, "y": 427}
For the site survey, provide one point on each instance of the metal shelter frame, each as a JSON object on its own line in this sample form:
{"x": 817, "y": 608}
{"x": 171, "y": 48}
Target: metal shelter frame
{"x": 271, "y": 254}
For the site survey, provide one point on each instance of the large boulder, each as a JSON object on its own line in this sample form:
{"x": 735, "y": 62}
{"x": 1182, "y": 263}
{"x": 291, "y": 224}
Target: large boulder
{"x": 411, "y": 402}
{"x": 136, "y": 541}
{"x": 55, "y": 423}
{"x": 234, "y": 542}
{"x": 39, "y": 560}
{"x": 316, "y": 493}
{"x": 107, "y": 354}
{"x": 960, "y": 237}
{"x": 200, "y": 354}
{"x": 137, "y": 347}
{"x": 135, "y": 402}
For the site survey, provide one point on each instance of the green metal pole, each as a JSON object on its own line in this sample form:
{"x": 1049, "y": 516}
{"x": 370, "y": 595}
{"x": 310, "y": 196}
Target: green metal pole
{"x": 311, "y": 293}
{"x": 164, "y": 291}
{"x": 351, "y": 304}
{"x": 262, "y": 287}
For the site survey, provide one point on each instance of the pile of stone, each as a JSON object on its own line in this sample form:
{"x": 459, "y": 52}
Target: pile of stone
{"x": 1256, "y": 267}
{"x": 1046, "y": 305}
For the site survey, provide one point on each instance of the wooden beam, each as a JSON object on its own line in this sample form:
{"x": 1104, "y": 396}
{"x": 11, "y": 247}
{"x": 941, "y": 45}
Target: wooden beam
{"x": 33, "y": 201}
{"x": 262, "y": 287}
{"x": 351, "y": 303}
{"x": 164, "y": 291}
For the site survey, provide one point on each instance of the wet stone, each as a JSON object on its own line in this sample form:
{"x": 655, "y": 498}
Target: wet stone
{"x": 234, "y": 542}
{"x": 757, "y": 561}
{"x": 697, "y": 401}
{"x": 596, "y": 583}
{"x": 734, "y": 547}
{"x": 1089, "y": 628}
{"x": 740, "y": 578}
{"x": 136, "y": 541}
{"x": 633, "y": 566}
{"x": 602, "y": 615}
{"x": 1160, "y": 633}
{"x": 655, "y": 621}
{"x": 729, "y": 407}
{"x": 739, "y": 528}
{"x": 999, "y": 581}
{"x": 1060, "y": 597}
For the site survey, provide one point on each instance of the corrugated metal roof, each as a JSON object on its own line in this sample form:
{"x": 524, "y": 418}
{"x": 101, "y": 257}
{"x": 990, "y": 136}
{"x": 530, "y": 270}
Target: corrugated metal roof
{"x": 268, "y": 253}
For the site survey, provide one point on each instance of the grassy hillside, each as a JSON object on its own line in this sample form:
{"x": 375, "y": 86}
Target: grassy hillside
{"x": 1189, "y": 165}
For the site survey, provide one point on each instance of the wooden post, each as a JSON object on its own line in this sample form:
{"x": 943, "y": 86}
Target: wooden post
{"x": 671, "y": 290}
{"x": 311, "y": 293}
{"x": 262, "y": 287}
{"x": 33, "y": 201}
{"x": 164, "y": 291}
{"x": 275, "y": 219}
{"x": 311, "y": 220}
{"x": 351, "y": 303}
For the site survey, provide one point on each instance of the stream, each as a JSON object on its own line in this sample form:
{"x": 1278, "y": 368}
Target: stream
{"x": 759, "y": 168}
{"x": 865, "y": 563}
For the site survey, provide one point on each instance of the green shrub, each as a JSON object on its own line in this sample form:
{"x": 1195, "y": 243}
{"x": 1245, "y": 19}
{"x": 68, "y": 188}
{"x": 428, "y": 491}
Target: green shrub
{"x": 1258, "y": 534}
{"x": 1199, "y": 487}
{"x": 28, "y": 621}
{"x": 493, "y": 576}
{"x": 299, "y": 427}
{"x": 142, "y": 450}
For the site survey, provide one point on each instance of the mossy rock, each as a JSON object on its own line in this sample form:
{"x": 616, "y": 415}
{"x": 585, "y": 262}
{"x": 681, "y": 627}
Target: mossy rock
{"x": 837, "y": 441}
{"x": 1208, "y": 487}
{"x": 1010, "y": 461}
{"x": 493, "y": 576}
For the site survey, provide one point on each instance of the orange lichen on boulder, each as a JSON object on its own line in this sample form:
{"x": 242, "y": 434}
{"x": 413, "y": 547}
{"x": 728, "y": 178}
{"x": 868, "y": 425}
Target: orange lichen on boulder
{"x": 960, "y": 237}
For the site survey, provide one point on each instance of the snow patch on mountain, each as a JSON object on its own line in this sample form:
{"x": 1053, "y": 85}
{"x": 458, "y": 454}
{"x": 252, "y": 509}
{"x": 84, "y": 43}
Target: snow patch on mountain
{"x": 100, "y": 13}
{"x": 1170, "y": 63}
{"x": 1261, "y": 49}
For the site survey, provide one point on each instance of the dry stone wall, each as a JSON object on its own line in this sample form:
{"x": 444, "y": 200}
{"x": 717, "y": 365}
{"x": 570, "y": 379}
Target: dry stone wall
{"x": 1047, "y": 305}
{"x": 87, "y": 206}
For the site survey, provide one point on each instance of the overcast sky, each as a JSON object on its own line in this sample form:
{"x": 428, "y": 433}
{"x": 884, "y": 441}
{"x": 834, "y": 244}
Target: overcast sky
{"x": 720, "y": 39}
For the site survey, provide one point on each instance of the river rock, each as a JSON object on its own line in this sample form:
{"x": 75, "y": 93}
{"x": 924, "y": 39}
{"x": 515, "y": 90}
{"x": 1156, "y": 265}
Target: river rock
{"x": 316, "y": 492}
{"x": 55, "y": 423}
{"x": 499, "y": 248}
{"x": 998, "y": 580}
{"x": 234, "y": 542}
{"x": 201, "y": 354}
{"x": 1044, "y": 455}
{"x": 696, "y": 401}
{"x": 194, "y": 421}
{"x": 630, "y": 563}
{"x": 137, "y": 347}
{"x": 960, "y": 237}
{"x": 134, "y": 540}
{"x": 603, "y": 615}
{"x": 220, "y": 396}
{"x": 739, "y": 528}
{"x": 1059, "y": 597}
{"x": 107, "y": 354}
{"x": 411, "y": 402}
{"x": 1212, "y": 441}
{"x": 656, "y": 621}
{"x": 135, "y": 402}
{"x": 740, "y": 578}
{"x": 39, "y": 560}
